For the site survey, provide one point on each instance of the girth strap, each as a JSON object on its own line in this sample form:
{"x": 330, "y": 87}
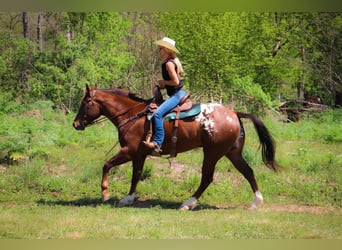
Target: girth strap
{"x": 173, "y": 151}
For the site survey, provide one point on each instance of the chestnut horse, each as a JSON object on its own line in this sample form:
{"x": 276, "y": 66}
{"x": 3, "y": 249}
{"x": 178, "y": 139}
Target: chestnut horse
{"x": 218, "y": 130}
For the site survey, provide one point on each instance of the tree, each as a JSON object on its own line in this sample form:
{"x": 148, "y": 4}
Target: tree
{"x": 87, "y": 48}
{"x": 39, "y": 31}
{"x": 310, "y": 52}
{"x": 326, "y": 55}
{"x": 144, "y": 74}
{"x": 207, "y": 42}
{"x": 232, "y": 57}
{"x": 26, "y": 31}
{"x": 218, "y": 50}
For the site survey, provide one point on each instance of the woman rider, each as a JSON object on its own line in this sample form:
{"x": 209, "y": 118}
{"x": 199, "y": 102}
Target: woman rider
{"x": 172, "y": 72}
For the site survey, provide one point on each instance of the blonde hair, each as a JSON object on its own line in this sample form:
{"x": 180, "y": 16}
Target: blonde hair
{"x": 180, "y": 70}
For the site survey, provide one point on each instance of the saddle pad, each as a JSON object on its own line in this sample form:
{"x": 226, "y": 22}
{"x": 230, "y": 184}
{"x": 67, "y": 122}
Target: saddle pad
{"x": 195, "y": 110}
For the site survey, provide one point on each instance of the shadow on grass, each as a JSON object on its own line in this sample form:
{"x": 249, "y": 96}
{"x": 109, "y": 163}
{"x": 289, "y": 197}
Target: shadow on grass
{"x": 113, "y": 202}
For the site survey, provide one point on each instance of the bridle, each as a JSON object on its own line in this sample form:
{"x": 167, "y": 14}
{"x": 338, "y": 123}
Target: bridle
{"x": 90, "y": 102}
{"x": 123, "y": 122}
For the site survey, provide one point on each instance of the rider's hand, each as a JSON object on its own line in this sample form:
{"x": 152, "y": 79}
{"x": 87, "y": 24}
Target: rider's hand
{"x": 161, "y": 84}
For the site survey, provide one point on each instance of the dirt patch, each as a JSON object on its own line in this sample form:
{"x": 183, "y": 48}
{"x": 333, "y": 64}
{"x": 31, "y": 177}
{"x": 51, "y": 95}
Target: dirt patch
{"x": 303, "y": 209}
{"x": 177, "y": 167}
{"x": 291, "y": 208}
{"x": 33, "y": 113}
{"x": 55, "y": 171}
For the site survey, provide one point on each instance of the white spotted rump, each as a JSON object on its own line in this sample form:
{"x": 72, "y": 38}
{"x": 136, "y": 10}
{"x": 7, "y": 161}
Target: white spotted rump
{"x": 205, "y": 117}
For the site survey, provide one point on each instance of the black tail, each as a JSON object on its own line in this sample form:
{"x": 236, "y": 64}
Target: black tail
{"x": 266, "y": 141}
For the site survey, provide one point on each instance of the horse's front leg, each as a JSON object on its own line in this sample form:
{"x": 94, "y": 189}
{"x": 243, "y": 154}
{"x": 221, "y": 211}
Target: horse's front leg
{"x": 208, "y": 167}
{"x": 121, "y": 157}
{"x": 138, "y": 164}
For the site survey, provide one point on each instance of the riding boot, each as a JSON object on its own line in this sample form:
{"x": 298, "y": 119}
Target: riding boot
{"x": 153, "y": 145}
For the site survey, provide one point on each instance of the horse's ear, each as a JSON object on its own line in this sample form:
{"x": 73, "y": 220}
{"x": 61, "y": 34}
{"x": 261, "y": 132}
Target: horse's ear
{"x": 95, "y": 88}
{"x": 87, "y": 88}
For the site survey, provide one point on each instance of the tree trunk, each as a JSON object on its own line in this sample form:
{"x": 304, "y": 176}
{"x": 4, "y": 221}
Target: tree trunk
{"x": 39, "y": 31}
{"x": 338, "y": 100}
{"x": 302, "y": 80}
{"x": 26, "y": 30}
{"x": 26, "y": 33}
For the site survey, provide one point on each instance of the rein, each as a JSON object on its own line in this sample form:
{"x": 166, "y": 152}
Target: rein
{"x": 97, "y": 121}
{"x": 129, "y": 119}
{"x": 122, "y": 123}
{"x": 134, "y": 117}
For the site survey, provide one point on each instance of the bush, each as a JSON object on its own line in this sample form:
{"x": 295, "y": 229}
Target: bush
{"x": 252, "y": 95}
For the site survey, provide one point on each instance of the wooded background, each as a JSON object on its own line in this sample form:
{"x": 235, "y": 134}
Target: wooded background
{"x": 247, "y": 60}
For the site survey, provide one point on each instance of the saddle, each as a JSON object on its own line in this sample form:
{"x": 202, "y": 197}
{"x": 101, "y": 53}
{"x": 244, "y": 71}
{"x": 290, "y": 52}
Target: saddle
{"x": 184, "y": 109}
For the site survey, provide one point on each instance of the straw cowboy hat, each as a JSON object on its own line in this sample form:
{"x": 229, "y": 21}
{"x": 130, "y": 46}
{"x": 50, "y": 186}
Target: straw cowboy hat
{"x": 167, "y": 43}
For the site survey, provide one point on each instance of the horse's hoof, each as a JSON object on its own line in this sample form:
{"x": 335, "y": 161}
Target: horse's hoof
{"x": 124, "y": 204}
{"x": 183, "y": 208}
{"x": 189, "y": 204}
{"x": 255, "y": 204}
{"x": 105, "y": 197}
{"x": 253, "y": 207}
{"x": 121, "y": 204}
{"x": 128, "y": 200}
{"x": 258, "y": 200}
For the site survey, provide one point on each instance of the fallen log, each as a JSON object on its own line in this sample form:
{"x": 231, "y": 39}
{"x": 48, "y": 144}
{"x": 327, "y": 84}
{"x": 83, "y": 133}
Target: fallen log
{"x": 295, "y": 109}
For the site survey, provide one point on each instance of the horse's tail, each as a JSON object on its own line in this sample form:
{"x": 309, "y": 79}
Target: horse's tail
{"x": 266, "y": 141}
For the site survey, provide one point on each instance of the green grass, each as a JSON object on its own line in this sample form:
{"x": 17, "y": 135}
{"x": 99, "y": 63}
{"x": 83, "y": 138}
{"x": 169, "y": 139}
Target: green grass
{"x": 50, "y": 185}
{"x": 107, "y": 222}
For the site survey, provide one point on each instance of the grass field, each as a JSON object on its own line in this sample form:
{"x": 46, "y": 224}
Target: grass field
{"x": 50, "y": 185}
{"x": 37, "y": 221}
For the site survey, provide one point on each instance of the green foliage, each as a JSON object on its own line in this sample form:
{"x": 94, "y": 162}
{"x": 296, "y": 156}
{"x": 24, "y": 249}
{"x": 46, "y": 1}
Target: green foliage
{"x": 321, "y": 126}
{"x": 246, "y": 89}
{"x": 217, "y": 47}
{"x": 210, "y": 44}
{"x": 116, "y": 49}
{"x": 93, "y": 53}
{"x": 14, "y": 54}
{"x": 9, "y": 107}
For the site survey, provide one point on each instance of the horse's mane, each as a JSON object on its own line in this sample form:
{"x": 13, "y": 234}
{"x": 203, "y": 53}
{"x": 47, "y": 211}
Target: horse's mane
{"x": 126, "y": 93}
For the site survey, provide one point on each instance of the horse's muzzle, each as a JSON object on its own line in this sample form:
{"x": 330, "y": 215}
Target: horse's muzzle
{"x": 78, "y": 125}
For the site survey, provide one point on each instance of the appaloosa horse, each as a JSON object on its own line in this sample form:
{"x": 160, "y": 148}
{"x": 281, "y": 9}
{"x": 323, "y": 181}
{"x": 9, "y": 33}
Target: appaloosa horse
{"x": 218, "y": 130}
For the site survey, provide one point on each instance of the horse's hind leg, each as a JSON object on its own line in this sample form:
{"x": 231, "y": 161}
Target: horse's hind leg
{"x": 242, "y": 166}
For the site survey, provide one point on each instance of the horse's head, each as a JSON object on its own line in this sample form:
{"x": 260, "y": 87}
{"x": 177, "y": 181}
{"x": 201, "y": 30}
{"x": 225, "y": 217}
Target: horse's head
{"x": 88, "y": 111}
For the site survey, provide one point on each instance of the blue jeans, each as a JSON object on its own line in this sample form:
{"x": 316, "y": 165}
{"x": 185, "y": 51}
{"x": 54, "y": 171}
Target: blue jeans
{"x": 163, "y": 109}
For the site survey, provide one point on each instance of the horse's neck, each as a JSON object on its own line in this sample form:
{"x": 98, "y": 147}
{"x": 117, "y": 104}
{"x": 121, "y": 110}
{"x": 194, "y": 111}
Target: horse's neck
{"x": 118, "y": 107}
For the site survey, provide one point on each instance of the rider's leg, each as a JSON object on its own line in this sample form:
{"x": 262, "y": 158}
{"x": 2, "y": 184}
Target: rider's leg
{"x": 158, "y": 124}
